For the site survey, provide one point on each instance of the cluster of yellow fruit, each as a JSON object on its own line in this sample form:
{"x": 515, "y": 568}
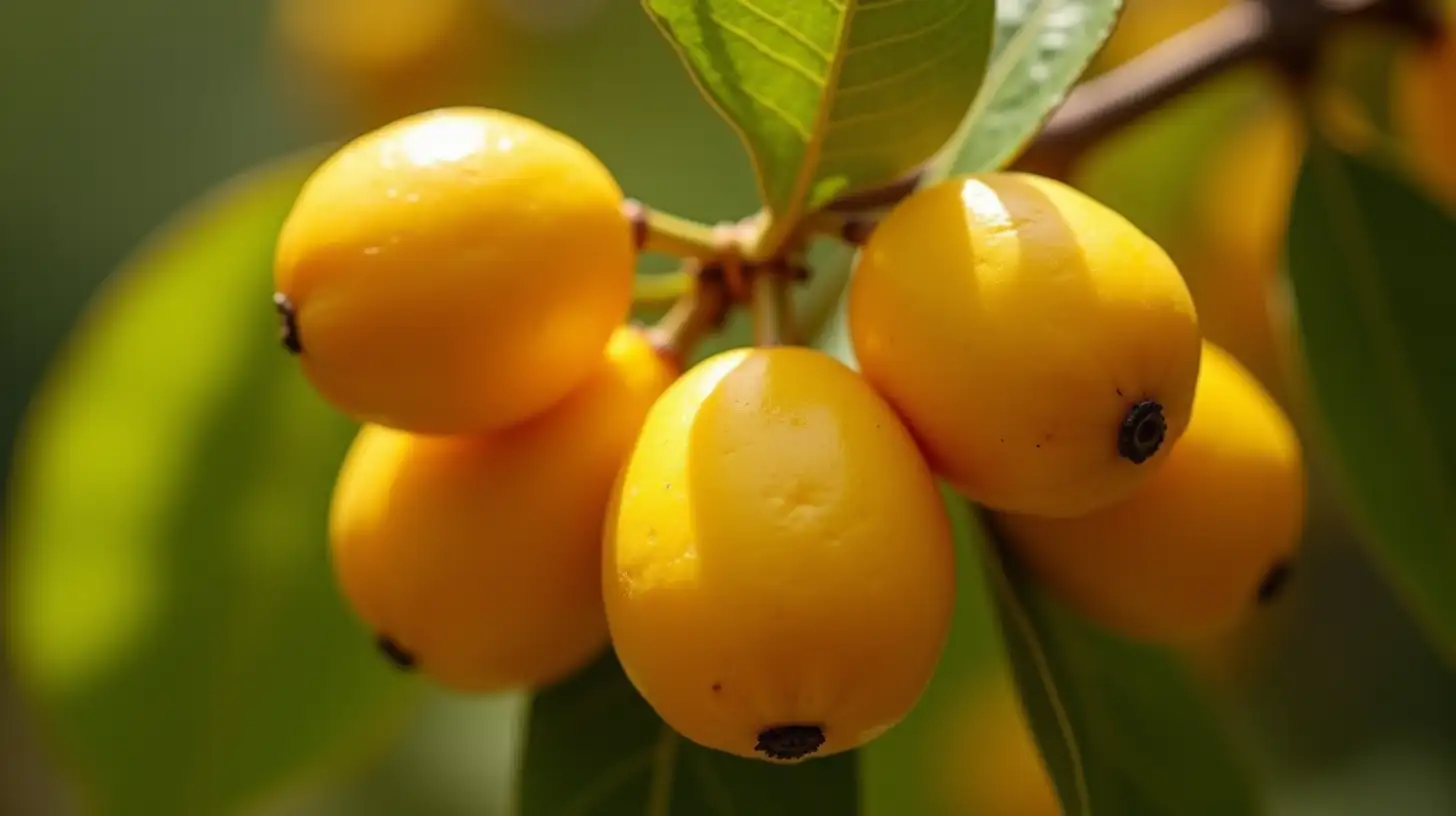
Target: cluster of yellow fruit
{"x": 760, "y": 537}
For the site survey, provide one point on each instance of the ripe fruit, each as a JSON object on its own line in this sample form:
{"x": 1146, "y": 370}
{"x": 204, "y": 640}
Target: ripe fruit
{"x": 479, "y": 558}
{"x": 778, "y": 570}
{"x": 1041, "y": 348}
{"x": 989, "y": 763}
{"x": 1423, "y": 81}
{"x": 1211, "y": 533}
{"x": 455, "y": 271}
{"x": 1143, "y": 24}
{"x": 1243, "y": 213}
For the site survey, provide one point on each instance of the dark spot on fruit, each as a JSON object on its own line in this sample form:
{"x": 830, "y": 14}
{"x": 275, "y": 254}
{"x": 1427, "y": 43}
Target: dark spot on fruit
{"x": 1142, "y": 432}
{"x": 717, "y": 687}
{"x": 287, "y": 323}
{"x": 789, "y": 742}
{"x": 395, "y": 653}
{"x": 1119, "y": 392}
{"x": 1275, "y": 580}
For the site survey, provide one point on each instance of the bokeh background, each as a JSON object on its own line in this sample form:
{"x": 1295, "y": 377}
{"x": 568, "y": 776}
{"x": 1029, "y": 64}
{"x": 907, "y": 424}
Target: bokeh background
{"x": 115, "y": 116}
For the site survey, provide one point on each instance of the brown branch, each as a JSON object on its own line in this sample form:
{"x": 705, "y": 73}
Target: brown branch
{"x": 1101, "y": 107}
{"x": 1289, "y": 35}
{"x": 1286, "y": 34}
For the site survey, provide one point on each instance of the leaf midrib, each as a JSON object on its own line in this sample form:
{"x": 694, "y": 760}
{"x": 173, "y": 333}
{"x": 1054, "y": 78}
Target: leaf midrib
{"x": 814, "y": 147}
{"x": 1022, "y": 619}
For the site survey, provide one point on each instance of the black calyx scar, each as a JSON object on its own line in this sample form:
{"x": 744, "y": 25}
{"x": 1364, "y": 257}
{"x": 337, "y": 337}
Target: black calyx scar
{"x": 395, "y": 653}
{"x": 789, "y": 742}
{"x": 1142, "y": 432}
{"x": 287, "y": 323}
{"x": 1275, "y": 581}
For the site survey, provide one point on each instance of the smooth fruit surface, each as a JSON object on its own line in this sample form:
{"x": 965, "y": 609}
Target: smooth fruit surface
{"x": 1143, "y": 24}
{"x": 479, "y": 558}
{"x": 1235, "y": 278}
{"x": 1211, "y": 534}
{"x": 455, "y": 271}
{"x": 778, "y": 570}
{"x": 1026, "y": 333}
{"x": 1424, "y": 80}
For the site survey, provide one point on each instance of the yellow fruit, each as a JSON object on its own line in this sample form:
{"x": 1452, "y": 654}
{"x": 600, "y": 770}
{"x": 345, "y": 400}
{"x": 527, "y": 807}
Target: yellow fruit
{"x": 1424, "y": 80}
{"x": 479, "y": 558}
{"x": 387, "y": 57}
{"x": 455, "y": 271}
{"x": 1211, "y": 533}
{"x": 1244, "y": 209}
{"x": 1143, "y": 24}
{"x": 1042, "y": 349}
{"x": 989, "y": 763}
{"x": 778, "y": 570}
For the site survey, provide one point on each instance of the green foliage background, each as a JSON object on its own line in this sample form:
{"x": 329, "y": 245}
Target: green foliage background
{"x": 115, "y": 117}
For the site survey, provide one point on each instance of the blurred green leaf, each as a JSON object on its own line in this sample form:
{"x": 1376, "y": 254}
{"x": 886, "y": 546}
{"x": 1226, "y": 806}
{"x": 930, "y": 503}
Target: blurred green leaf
{"x": 901, "y": 769}
{"x": 831, "y": 96}
{"x": 1041, "y": 48}
{"x": 595, "y": 747}
{"x": 1370, "y": 257}
{"x": 172, "y": 612}
{"x": 1123, "y": 728}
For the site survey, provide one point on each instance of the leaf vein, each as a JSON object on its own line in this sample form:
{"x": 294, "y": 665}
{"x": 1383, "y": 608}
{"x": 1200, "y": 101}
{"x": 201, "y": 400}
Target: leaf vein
{"x": 1362, "y": 264}
{"x": 664, "y": 772}
{"x": 1043, "y": 670}
{"x": 608, "y": 783}
{"x": 882, "y": 113}
{"x": 768, "y": 53}
{"x": 718, "y": 795}
{"x": 922, "y": 67}
{"x": 909, "y": 36}
{"x": 794, "y": 34}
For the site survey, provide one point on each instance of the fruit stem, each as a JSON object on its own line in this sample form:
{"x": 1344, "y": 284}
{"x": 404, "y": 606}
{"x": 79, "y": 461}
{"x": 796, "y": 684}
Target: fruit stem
{"x": 699, "y": 311}
{"x": 663, "y": 288}
{"x": 773, "y": 322}
{"x": 668, "y": 234}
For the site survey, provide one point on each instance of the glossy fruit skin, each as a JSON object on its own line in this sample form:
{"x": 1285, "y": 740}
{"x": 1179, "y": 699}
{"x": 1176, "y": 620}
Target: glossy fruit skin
{"x": 778, "y": 555}
{"x": 1014, "y": 323}
{"x": 456, "y": 271}
{"x": 1423, "y": 81}
{"x": 1188, "y": 556}
{"x": 480, "y": 556}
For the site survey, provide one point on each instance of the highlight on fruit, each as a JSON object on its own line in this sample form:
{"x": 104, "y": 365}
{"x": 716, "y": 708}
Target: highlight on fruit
{"x": 562, "y": 460}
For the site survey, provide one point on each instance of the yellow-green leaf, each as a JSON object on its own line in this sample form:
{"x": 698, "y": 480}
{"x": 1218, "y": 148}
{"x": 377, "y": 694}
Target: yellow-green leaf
{"x": 831, "y": 96}
{"x": 172, "y": 613}
{"x": 1041, "y": 48}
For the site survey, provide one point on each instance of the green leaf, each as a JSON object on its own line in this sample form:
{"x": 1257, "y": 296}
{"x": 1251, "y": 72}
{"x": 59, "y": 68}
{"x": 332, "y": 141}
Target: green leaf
{"x": 171, "y": 608}
{"x": 1370, "y": 259}
{"x": 1124, "y": 729}
{"x": 901, "y": 769}
{"x": 831, "y": 96}
{"x": 596, "y": 748}
{"x": 1041, "y": 48}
